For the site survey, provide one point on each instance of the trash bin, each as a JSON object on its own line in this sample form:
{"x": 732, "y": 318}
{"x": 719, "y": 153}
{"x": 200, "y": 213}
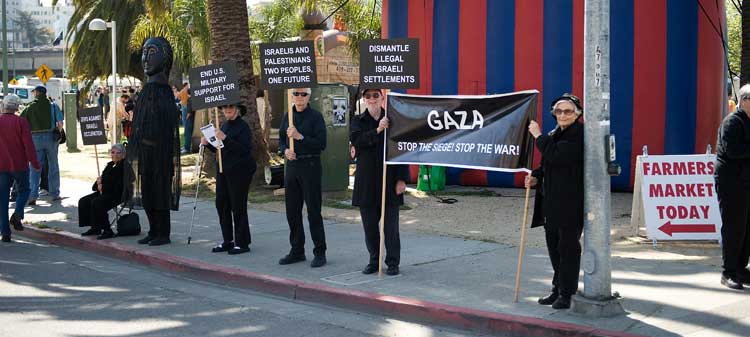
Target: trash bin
{"x": 431, "y": 178}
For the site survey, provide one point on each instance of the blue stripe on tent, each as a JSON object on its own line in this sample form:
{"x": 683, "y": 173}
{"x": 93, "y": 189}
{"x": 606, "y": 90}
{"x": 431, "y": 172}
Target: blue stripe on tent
{"x": 682, "y": 58}
{"x": 453, "y": 176}
{"x": 558, "y": 55}
{"x": 500, "y": 63}
{"x": 398, "y": 19}
{"x": 445, "y": 48}
{"x": 621, "y": 87}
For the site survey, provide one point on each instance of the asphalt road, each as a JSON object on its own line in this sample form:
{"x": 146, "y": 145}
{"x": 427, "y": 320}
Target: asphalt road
{"x": 52, "y": 291}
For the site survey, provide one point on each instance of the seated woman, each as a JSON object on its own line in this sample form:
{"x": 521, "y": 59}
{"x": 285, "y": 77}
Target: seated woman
{"x": 108, "y": 193}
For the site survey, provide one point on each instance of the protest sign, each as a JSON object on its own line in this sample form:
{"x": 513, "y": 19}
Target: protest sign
{"x": 92, "y": 126}
{"x": 479, "y": 132}
{"x": 214, "y": 85}
{"x": 285, "y": 65}
{"x": 392, "y": 64}
{"x": 679, "y": 197}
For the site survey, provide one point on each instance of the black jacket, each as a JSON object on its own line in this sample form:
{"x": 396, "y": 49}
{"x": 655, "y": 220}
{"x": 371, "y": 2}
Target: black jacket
{"x": 311, "y": 125}
{"x": 559, "y": 190}
{"x": 237, "y": 152}
{"x": 733, "y": 150}
{"x": 368, "y": 180}
{"x": 112, "y": 181}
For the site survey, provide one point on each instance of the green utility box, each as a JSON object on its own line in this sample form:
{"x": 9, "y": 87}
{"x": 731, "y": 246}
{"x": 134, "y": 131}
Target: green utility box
{"x": 70, "y": 108}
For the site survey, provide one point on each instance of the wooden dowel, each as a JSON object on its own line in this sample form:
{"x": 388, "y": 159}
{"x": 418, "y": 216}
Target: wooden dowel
{"x": 382, "y": 225}
{"x": 523, "y": 243}
{"x": 218, "y": 150}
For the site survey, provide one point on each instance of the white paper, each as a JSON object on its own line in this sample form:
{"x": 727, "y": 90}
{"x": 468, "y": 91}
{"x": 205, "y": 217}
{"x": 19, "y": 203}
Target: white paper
{"x": 209, "y": 131}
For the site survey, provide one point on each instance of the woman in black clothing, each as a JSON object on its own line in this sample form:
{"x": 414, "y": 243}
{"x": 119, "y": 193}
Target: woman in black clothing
{"x": 233, "y": 184}
{"x": 368, "y": 138}
{"x": 108, "y": 193}
{"x": 559, "y": 196}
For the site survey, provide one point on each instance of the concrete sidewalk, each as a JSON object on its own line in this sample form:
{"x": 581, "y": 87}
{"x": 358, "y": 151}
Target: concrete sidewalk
{"x": 455, "y": 282}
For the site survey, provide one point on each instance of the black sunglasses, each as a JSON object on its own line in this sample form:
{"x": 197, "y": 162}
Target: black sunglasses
{"x": 303, "y": 94}
{"x": 374, "y": 95}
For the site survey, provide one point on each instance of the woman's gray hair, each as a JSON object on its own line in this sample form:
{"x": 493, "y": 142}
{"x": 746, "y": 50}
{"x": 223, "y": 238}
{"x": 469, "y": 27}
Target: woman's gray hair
{"x": 307, "y": 90}
{"x": 744, "y": 92}
{"x": 119, "y": 147}
{"x": 578, "y": 111}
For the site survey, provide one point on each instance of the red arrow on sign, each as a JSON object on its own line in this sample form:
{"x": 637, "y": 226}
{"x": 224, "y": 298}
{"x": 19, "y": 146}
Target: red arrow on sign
{"x": 670, "y": 228}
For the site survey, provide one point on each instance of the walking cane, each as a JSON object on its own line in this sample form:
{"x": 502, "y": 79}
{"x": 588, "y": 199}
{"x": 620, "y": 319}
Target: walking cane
{"x": 197, "y": 187}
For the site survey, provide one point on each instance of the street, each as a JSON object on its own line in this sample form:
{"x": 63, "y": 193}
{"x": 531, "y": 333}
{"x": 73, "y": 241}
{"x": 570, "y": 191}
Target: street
{"x": 47, "y": 290}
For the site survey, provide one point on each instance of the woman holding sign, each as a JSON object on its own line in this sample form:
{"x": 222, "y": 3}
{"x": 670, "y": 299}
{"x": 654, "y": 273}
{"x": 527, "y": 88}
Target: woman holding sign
{"x": 559, "y": 196}
{"x": 233, "y": 183}
{"x": 368, "y": 138}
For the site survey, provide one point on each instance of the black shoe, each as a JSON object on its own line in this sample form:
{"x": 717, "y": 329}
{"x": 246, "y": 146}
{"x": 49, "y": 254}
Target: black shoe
{"x": 221, "y": 248}
{"x": 289, "y": 259}
{"x": 318, "y": 261}
{"x": 731, "y": 282}
{"x": 561, "y": 302}
{"x": 370, "y": 269}
{"x": 15, "y": 220}
{"x": 31, "y": 202}
{"x": 237, "y": 250}
{"x": 146, "y": 240}
{"x": 6, "y": 238}
{"x": 549, "y": 299}
{"x": 107, "y": 234}
{"x": 392, "y": 270}
{"x": 744, "y": 276}
{"x": 92, "y": 231}
{"x": 159, "y": 242}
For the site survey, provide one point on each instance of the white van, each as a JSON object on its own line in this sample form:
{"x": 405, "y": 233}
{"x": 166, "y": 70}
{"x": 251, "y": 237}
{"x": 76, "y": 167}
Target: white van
{"x": 56, "y": 86}
{"x": 24, "y": 92}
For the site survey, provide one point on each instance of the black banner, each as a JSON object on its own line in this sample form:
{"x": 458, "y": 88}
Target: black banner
{"x": 92, "y": 126}
{"x": 285, "y": 65}
{"x": 391, "y": 64}
{"x": 214, "y": 85}
{"x": 478, "y": 132}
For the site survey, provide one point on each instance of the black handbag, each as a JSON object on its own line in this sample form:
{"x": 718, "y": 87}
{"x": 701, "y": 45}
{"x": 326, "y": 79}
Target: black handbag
{"x": 128, "y": 225}
{"x": 60, "y": 136}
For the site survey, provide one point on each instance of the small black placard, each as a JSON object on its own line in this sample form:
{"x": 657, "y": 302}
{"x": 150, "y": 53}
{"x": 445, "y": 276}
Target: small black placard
{"x": 92, "y": 126}
{"x": 286, "y": 65}
{"x": 389, "y": 64}
{"x": 214, "y": 85}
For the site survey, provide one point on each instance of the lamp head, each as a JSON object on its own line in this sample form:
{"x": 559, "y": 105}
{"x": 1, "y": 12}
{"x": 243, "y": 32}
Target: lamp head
{"x": 97, "y": 24}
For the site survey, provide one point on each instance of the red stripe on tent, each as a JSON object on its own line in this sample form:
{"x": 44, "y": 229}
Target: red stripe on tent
{"x": 578, "y": 48}
{"x": 420, "y": 27}
{"x": 384, "y": 20}
{"x": 472, "y": 61}
{"x": 711, "y": 82}
{"x": 649, "y": 78}
{"x": 529, "y": 53}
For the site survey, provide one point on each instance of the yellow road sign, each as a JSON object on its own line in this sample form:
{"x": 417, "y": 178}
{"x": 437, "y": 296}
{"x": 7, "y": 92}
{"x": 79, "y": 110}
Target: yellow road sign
{"x": 44, "y": 73}
{"x": 13, "y": 81}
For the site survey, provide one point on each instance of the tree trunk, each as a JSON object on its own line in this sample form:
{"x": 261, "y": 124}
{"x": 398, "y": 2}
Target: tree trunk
{"x": 745, "y": 56}
{"x": 230, "y": 37}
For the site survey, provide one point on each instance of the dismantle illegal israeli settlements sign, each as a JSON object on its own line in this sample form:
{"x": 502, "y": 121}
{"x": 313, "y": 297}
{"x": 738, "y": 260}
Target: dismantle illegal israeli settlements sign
{"x": 392, "y": 64}
{"x": 679, "y": 198}
{"x": 285, "y": 65}
{"x": 214, "y": 85}
{"x": 479, "y": 132}
{"x": 92, "y": 126}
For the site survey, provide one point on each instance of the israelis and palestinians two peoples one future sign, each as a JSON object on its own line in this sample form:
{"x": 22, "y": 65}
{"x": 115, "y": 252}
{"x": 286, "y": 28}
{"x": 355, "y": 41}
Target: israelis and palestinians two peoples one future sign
{"x": 92, "y": 126}
{"x": 391, "y": 63}
{"x": 214, "y": 85}
{"x": 286, "y": 65}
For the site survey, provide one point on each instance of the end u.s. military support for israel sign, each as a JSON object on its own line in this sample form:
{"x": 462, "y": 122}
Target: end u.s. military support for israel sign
{"x": 478, "y": 132}
{"x": 214, "y": 85}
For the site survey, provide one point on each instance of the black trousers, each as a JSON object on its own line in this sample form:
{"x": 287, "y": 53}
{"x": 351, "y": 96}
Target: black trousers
{"x": 734, "y": 205}
{"x": 92, "y": 210}
{"x": 159, "y": 223}
{"x": 302, "y": 184}
{"x": 231, "y": 205}
{"x": 564, "y": 248}
{"x": 371, "y": 223}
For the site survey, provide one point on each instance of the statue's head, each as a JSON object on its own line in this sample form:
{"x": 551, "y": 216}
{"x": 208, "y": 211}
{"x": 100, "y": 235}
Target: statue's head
{"x": 157, "y": 56}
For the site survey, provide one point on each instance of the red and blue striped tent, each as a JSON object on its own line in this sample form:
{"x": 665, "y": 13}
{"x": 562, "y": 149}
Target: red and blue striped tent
{"x": 667, "y": 73}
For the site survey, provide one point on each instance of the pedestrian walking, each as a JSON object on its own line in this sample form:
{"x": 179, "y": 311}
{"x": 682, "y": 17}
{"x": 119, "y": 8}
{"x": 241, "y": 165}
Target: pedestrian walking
{"x": 368, "y": 138}
{"x": 559, "y": 196}
{"x": 17, "y": 153}
{"x": 43, "y": 119}
{"x": 302, "y": 177}
{"x": 233, "y": 184}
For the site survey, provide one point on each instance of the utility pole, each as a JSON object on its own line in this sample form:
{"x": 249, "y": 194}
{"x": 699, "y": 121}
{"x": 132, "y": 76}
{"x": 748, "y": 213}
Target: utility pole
{"x": 5, "y": 52}
{"x": 596, "y": 299}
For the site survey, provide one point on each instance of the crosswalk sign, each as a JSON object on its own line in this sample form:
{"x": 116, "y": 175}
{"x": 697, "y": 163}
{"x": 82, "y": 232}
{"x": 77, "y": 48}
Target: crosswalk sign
{"x": 44, "y": 73}
{"x": 13, "y": 81}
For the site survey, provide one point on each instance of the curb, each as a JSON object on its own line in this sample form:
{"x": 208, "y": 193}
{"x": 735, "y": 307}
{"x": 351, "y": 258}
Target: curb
{"x": 394, "y": 306}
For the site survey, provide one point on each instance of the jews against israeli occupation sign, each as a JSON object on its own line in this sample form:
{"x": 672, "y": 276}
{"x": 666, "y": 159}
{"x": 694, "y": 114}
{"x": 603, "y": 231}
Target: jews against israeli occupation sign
{"x": 679, "y": 199}
{"x": 214, "y": 85}
{"x": 479, "y": 132}
{"x": 285, "y": 65}
{"x": 92, "y": 126}
{"x": 392, "y": 64}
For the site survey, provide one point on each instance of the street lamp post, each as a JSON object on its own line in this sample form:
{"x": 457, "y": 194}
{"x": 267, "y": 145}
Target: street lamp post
{"x": 99, "y": 24}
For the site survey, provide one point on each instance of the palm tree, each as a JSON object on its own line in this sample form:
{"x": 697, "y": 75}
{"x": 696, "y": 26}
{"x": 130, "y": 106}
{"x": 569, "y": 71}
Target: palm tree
{"x": 745, "y": 56}
{"x": 230, "y": 41}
